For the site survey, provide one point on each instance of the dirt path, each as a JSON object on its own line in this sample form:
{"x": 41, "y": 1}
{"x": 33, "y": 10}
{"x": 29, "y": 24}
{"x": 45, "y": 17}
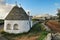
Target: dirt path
{"x": 28, "y": 38}
{"x": 2, "y": 38}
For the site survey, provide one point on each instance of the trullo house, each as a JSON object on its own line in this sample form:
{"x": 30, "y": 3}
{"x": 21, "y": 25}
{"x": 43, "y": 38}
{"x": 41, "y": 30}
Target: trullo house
{"x": 17, "y": 21}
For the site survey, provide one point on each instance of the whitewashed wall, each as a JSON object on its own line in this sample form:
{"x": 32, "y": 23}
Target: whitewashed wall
{"x": 23, "y": 26}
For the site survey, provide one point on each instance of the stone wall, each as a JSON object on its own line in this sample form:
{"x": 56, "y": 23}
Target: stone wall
{"x": 48, "y": 37}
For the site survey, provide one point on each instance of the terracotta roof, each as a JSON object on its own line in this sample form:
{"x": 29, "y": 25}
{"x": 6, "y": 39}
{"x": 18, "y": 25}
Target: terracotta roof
{"x": 17, "y": 13}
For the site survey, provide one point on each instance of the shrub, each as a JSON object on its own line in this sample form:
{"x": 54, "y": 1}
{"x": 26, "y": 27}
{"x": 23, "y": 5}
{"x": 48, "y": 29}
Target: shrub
{"x": 1, "y": 22}
{"x": 43, "y": 35}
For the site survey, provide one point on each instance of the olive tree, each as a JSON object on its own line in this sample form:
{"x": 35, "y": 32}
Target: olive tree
{"x": 58, "y": 14}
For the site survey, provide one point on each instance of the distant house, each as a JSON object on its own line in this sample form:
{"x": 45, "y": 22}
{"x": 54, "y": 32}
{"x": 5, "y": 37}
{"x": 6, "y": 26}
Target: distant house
{"x": 42, "y": 17}
{"x": 17, "y": 21}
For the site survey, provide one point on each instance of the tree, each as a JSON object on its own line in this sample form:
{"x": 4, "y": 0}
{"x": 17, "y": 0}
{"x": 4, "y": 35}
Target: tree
{"x": 58, "y": 14}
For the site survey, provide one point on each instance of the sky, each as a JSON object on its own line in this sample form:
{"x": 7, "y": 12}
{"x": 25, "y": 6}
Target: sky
{"x": 36, "y": 7}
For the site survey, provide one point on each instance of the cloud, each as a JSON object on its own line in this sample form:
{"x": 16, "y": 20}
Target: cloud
{"x": 56, "y": 4}
{"x": 4, "y": 9}
{"x": 2, "y": 2}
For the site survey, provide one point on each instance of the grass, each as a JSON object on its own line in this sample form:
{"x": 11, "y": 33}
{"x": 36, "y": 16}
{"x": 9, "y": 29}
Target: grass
{"x": 43, "y": 35}
{"x": 12, "y": 36}
{"x": 37, "y": 29}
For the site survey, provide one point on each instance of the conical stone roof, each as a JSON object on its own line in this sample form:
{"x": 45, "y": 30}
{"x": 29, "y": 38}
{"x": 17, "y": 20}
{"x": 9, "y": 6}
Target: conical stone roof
{"x": 17, "y": 13}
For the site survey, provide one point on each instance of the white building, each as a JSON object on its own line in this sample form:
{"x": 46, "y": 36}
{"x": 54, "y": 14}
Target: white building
{"x": 17, "y": 21}
{"x": 43, "y": 16}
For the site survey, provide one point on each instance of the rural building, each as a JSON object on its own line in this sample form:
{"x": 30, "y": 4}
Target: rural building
{"x": 17, "y": 21}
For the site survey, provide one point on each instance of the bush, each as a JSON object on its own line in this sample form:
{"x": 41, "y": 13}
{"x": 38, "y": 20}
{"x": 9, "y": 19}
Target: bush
{"x": 37, "y": 28}
{"x": 1, "y": 22}
{"x": 43, "y": 35}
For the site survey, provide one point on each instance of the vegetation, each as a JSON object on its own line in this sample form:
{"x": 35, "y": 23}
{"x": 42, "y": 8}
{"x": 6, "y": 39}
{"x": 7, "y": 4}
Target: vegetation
{"x": 35, "y": 20}
{"x": 37, "y": 28}
{"x": 58, "y": 14}
{"x": 43, "y": 35}
{"x": 1, "y": 22}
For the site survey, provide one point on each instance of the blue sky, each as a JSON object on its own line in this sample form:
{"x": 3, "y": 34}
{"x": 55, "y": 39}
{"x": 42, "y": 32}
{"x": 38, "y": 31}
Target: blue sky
{"x": 37, "y": 7}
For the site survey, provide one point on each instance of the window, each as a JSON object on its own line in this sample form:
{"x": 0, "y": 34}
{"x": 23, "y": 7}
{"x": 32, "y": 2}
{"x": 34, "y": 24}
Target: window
{"x": 15, "y": 27}
{"x": 8, "y": 27}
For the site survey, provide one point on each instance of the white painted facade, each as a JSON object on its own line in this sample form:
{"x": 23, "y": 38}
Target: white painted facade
{"x": 23, "y": 26}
